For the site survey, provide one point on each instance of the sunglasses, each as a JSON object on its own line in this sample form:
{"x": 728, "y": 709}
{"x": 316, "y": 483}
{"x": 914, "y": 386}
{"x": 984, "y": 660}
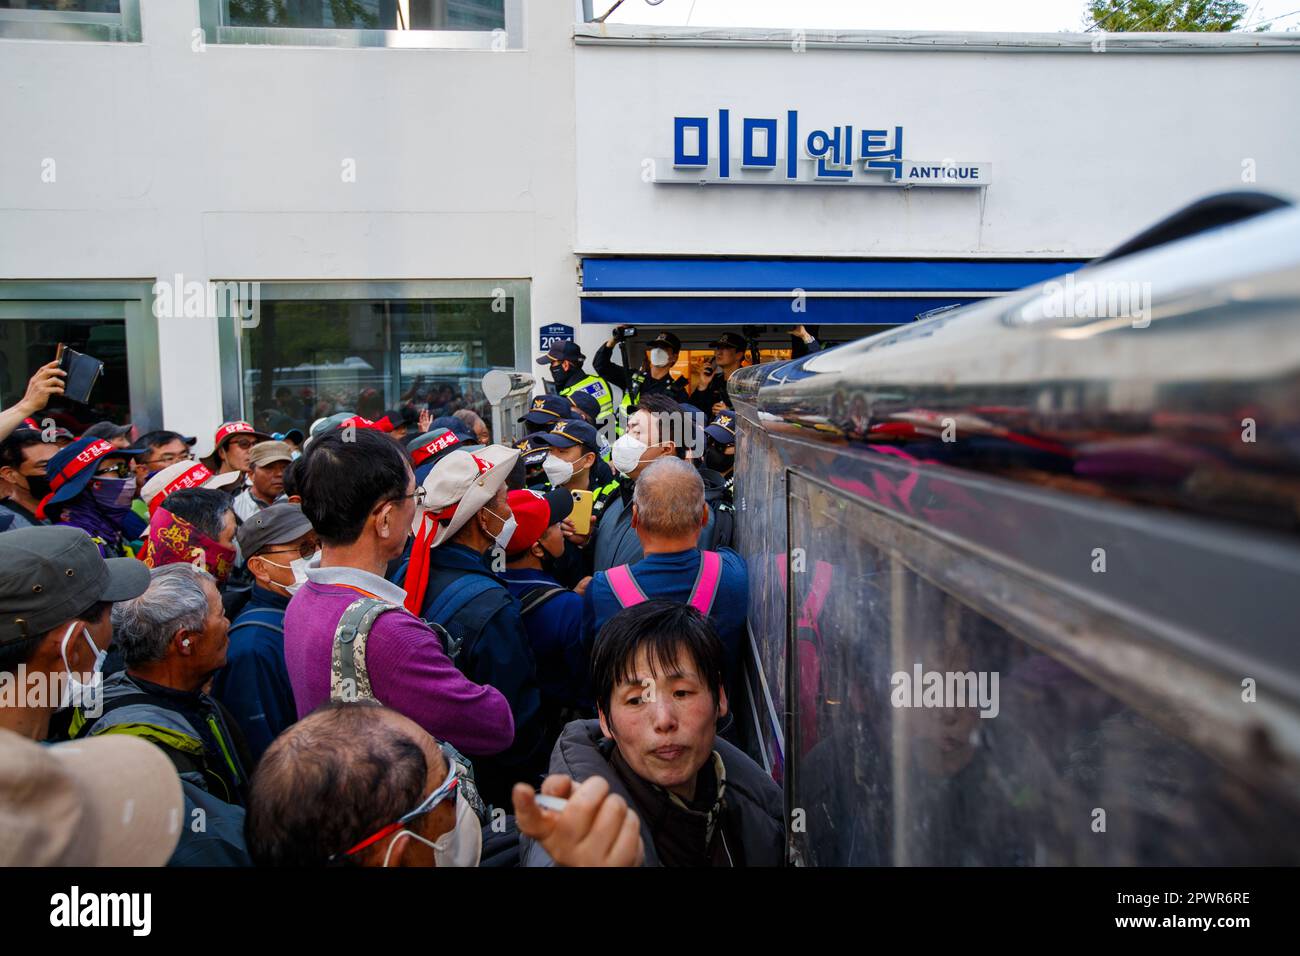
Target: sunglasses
{"x": 118, "y": 469}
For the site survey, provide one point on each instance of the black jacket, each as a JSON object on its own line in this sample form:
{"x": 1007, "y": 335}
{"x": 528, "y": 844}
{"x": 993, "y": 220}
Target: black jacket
{"x": 751, "y": 805}
{"x": 636, "y": 383}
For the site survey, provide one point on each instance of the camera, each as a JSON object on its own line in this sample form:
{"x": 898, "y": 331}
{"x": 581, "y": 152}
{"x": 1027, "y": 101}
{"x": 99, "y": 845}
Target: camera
{"x": 625, "y": 332}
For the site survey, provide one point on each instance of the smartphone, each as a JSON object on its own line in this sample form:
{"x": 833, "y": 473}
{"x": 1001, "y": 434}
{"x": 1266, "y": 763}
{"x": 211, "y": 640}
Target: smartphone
{"x": 581, "y": 514}
{"x": 83, "y": 372}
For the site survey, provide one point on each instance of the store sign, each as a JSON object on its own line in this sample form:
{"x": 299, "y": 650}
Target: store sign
{"x": 554, "y": 334}
{"x": 772, "y": 151}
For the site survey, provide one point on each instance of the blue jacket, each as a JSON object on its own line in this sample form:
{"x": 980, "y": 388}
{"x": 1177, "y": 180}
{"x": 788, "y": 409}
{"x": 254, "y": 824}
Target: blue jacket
{"x": 555, "y": 632}
{"x": 671, "y": 576}
{"x": 494, "y": 650}
{"x": 254, "y": 684}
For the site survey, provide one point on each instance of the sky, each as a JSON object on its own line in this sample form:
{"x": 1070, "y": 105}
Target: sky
{"x": 1033, "y": 16}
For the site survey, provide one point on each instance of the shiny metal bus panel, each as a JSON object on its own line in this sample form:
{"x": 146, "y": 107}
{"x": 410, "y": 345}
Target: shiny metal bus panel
{"x": 1026, "y": 575}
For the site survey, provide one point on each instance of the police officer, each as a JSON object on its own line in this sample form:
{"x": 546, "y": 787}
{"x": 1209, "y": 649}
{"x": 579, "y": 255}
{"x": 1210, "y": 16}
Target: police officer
{"x": 545, "y": 412}
{"x": 565, "y": 360}
{"x": 720, "y": 448}
{"x": 728, "y": 354}
{"x": 574, "y": 463}
{"x": 654, "y": 376}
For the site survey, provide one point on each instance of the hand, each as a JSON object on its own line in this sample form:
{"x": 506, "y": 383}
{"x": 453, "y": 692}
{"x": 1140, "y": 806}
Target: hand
{"x": 800, "y": 332}
{"x": 426, "y": 419}
{"x": 581, "y": 586}
{"x": 46, "y": 383}
{"x": 596, "y": 828}
{"x": 719, "y": 407}
{"x": 571, "y": 534}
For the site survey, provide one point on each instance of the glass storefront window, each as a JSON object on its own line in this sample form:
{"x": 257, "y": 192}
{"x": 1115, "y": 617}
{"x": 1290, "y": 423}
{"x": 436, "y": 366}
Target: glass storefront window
{"x": 367, "y": 14}
{"x": 487, "y": 24}
{"x": 309, "y": 358}
{"x": 70, "y": 20}
{"x": 108, "y": 320}
{"x": 27, "y": 345}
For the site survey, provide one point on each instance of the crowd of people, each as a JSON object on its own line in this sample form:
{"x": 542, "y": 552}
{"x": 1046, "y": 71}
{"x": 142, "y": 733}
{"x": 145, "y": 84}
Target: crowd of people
{"x": 386, "y": 641}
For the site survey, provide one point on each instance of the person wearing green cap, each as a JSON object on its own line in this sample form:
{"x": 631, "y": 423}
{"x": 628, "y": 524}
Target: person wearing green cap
{"x": 56, "y": 591}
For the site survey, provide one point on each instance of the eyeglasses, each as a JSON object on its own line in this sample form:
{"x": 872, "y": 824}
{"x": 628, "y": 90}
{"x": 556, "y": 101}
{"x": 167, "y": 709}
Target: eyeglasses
{"x": 440, "y": 793}
{"x": 120, "y": 469}
{"x": 306, "y": 549}
{"x": 243, "y": 444}
{"x": 418, "y": 494}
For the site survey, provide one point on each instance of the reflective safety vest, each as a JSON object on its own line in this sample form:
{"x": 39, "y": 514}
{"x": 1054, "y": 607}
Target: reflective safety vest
{"x": 600, "y": 390}
{"x": 603, "y": 495}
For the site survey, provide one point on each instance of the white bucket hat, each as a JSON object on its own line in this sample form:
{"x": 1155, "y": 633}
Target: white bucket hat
{"x": 455, "y": 489}
{"x": 459, "y": 485}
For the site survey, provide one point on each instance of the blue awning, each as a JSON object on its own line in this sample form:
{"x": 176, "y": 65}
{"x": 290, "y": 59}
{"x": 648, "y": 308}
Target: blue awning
{"x": 694, "y": 291}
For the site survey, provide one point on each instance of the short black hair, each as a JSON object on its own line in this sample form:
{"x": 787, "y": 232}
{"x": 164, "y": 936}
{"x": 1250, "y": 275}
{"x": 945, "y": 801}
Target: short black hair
{"x": 345, "y": 475}
{"x": 156, "y": 439}
{"x": 340, "y": 775}
{"x": 205, "y": 508}
{"x": 664, "y": 628}
{"x": 13, "y": 448}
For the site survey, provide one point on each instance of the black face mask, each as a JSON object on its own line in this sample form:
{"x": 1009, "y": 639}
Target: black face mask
{"x": 560, "y": 377}
{"x": 718, "y": 460}
{"x": 549, "y": 561}
{"x": 38, "y": 486}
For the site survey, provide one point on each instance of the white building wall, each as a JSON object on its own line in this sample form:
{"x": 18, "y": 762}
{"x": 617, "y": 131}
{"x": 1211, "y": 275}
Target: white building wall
{"x": 226, "y": 164}
{"x": 1086, "y": 148}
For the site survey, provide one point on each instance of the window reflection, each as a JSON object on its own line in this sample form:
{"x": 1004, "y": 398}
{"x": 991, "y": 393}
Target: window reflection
{"x": 366, "y": 14}
{"x": 64, "y": 6}
{"x": 919, "y": 780}
{"x": 307, "y": 359}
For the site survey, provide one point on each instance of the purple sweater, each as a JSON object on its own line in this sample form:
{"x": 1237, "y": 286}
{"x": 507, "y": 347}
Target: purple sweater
{"x": 409, "y": 671}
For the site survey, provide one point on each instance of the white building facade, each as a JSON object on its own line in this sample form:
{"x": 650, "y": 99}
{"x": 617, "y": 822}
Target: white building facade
{"x": 437, "y": 188}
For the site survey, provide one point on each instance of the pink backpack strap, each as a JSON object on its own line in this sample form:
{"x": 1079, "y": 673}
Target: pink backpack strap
{"x": 707, "y": 580}
{"x": 624, "y": 586}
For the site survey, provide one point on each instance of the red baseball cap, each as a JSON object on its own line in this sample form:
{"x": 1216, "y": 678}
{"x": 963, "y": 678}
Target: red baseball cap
{"x": 535, "y": 512}
{"x": 236, "y": 428}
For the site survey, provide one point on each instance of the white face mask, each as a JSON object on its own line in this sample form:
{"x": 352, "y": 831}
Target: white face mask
{"x": 299, "y": 568}
{"x": 75, "y": 693}
{"x": 558, "y": 471}
{"x": 658, "y": 358}
{"x": 461, "y": 846}
{"x": 625, "y": 454}
{"x": 508, "y": 526}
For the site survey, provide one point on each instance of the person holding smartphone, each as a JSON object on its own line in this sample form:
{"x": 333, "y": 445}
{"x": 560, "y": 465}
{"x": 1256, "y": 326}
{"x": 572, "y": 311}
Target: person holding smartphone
{"x": 573, "y": 462}
{"x": 91, "y": 488}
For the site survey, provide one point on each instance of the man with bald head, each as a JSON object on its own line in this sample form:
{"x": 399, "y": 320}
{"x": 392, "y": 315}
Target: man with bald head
{"x": 668, "y": 514}
{"x": 359, "y": 784}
